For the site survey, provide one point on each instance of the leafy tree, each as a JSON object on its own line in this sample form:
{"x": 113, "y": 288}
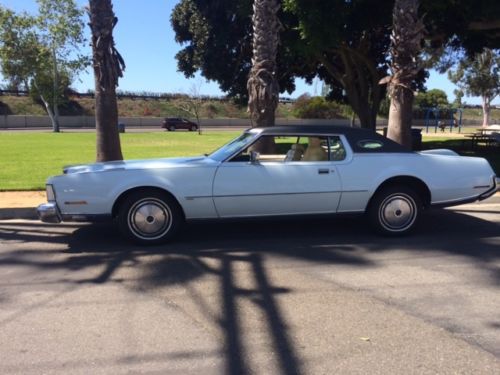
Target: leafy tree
{"x": 36, "y": 51}
{"x": 19, "y": 47}
{"x": 108, "y": 67}
{"x": 263, "y": 90}
{"x": 345, "y": 48}
{"x": 462, "y": 24}
{"x": 217, "y": 39}
{"x": 479, "y": 76}
{"x": 432, "y": 98}
{"x": 459, "y": 94}
{"x": 192, "y": 104}
{"x": 450, "y": 26}
{"x": 343, "y": 42}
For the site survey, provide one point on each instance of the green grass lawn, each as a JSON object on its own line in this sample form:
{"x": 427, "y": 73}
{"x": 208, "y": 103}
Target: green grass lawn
{"x": 27, "y": 159}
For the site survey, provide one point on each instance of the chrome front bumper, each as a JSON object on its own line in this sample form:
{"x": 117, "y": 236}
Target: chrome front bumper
{"x": 49, "y": 213}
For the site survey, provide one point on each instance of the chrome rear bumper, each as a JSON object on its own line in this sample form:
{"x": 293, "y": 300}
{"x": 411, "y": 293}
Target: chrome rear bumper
{"x": 492, "y": 191}
{"x": 49, "y": 213}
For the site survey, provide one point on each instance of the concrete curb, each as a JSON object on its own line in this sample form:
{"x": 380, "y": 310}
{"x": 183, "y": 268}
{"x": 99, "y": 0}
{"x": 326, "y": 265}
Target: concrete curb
{"x": 26, "y": 213}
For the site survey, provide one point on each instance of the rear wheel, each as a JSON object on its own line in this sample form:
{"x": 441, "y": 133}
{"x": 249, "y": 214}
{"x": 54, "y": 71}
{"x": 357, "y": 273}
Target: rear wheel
{"x": 395, "y": 210}
{"x": 171, "y": 128}
{"x": 193, "y": 128}
{"x": 149, "y": 217}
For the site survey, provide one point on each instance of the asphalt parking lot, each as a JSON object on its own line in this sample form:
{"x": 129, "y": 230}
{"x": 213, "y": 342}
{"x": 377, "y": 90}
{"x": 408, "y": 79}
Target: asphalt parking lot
{"x": 291, "y": 297}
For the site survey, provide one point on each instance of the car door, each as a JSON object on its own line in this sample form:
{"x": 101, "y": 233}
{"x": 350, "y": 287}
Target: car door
{"x": 276, "y": 184}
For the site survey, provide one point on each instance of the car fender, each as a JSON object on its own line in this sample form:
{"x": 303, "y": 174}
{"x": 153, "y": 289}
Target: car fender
{"x": 190, "y": 187}
{"x": 366, "y": 173}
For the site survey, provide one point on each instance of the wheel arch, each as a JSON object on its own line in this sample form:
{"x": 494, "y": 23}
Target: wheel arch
{"x": 121, "y": 198}
{"x": 419, "y": 186}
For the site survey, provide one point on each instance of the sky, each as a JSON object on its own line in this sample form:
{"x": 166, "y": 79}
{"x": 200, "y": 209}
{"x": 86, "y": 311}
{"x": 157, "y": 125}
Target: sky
{"x": 145, "y": 39}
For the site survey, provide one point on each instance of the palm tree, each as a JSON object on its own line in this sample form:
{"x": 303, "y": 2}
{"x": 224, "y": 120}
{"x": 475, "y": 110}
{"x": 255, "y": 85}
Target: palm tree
{"x": 108, "y": 67}
{"x": 263, "y": 89}
{"x": 407, "y": 34}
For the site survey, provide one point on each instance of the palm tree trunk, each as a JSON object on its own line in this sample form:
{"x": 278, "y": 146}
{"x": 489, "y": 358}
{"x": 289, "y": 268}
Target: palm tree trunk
{"x": 400, "y": 116}
{"x": 407, "y": 34}
{"x": 108, "y": 66}
{"x": 263, "y": 89}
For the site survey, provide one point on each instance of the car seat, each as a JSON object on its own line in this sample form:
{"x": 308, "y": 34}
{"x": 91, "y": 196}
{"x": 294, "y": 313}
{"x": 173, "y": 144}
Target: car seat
{"x": 315, "y": 152}
{"x": 295, "y": 153}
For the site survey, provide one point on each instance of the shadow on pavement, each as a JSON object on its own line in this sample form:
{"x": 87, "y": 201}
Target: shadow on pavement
{"x": 209, "y": 248}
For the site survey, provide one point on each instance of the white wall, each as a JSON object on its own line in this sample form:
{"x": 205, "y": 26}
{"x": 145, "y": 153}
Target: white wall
{"x": 19, "y": 122}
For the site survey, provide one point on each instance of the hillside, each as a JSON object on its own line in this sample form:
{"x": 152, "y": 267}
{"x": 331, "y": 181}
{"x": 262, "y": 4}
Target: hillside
{"x": 162, "y": 107}
{"x": 127, "y": 107}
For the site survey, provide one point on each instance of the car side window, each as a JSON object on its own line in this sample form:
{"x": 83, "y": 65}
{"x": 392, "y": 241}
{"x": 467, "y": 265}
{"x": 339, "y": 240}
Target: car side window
{"x": 286, "y": 149}
{"x": 370, "y": 144}
{"x": 337, "y": 149}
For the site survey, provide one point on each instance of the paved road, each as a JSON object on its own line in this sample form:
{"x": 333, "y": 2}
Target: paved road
{"x": 293, "y": 297}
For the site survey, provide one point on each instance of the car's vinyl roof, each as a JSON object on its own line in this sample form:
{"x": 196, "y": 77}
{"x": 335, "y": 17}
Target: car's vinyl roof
{"x": 353, "y": 135}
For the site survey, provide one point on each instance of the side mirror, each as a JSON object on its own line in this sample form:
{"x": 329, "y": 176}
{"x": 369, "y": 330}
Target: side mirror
{"x": 254, "y": 157}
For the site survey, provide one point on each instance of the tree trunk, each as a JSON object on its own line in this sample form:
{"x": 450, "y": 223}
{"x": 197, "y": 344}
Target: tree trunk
{"x": 366, "y": 111}
{"x": 56, "y": 126}
{"x": 486, "y": 111}
{"x": 360, "y": 80}
{"x": 55, "y": 94}
{"x": 407, "y": 34}
{"x": 400, "y": 116}
{"x": 353, "y": 120}
{"x": 108, "y": 66}
{"x": 48, "y": 108}
{"x": 263, "y": 89}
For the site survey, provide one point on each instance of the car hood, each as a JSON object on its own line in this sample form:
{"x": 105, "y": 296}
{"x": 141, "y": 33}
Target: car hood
{"x": 138, "y": 164}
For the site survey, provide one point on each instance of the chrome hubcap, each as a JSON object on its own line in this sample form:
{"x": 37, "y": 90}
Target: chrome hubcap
{"x": 397, "y": 212}
{"x": 150, "y": 218}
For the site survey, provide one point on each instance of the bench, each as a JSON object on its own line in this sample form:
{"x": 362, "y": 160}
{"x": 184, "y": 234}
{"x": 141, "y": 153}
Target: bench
{"x": 488, "y": 140}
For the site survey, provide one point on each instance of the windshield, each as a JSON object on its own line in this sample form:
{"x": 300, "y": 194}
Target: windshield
{"x": 230, "y": 148}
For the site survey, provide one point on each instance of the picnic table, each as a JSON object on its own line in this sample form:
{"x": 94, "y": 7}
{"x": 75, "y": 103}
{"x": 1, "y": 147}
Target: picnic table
{"x": 487, "y": 136}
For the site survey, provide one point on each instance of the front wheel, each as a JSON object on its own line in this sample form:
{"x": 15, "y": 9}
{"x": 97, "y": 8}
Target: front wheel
{"x": 149, "y": 217}
{"x": 171, "y": 128}
{"x": 395, "y": 210}
{"x": 193, "y": 128}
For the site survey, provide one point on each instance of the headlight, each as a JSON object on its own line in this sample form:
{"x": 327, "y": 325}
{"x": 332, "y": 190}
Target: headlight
{"x": 51, "y": 194}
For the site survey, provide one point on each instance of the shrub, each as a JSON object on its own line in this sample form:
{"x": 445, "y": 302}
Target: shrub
{"x": 316, "y": 107}
{"x": 5, "y": 109}
{"x": 431, "y": 99}
{"x": 211, "y": 110}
